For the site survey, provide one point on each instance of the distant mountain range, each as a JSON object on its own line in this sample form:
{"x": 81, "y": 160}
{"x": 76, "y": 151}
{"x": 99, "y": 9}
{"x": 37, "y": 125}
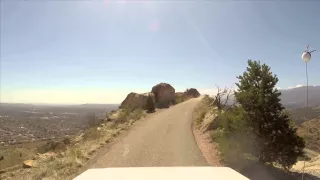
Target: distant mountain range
{"x": 297, "y": 98}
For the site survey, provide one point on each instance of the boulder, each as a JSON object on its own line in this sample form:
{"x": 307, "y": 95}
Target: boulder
{"x": 164, "y": 95}
{"x": 135, "y": 100}
{"x": 192, "y": 92}
{"x": 29, "y": 164}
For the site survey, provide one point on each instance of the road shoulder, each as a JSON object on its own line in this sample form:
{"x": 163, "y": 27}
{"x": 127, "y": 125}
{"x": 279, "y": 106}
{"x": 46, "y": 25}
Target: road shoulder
{"x": 208, "y": 148}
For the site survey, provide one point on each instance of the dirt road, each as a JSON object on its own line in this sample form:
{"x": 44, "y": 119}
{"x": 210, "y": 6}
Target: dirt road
{"x": 163, "y": 139}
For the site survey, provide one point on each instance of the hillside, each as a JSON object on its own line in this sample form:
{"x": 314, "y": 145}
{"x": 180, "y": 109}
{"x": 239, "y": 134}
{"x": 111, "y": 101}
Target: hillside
{"x": 301, "y": 115}
{"x": 311, "y": 131}
{"x": 296, "y": 97}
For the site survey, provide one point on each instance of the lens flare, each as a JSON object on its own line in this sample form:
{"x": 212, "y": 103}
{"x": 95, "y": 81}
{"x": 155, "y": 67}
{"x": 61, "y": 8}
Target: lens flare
{"x": 154, "y": 26}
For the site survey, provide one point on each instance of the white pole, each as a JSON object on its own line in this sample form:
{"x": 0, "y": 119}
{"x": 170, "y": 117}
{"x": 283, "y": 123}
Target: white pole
{"x": 304, "y": 162}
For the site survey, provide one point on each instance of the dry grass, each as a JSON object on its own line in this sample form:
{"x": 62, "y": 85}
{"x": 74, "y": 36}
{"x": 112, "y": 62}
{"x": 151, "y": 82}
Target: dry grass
{"x": 310, "y": 130}
{"x": 202, "y": 109}
{"x": 15, "y": 154}
{"x": 68, "y": 162}
{"x": 181, "y": 99}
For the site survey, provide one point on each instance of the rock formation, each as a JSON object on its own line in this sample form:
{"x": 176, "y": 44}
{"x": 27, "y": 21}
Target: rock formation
{"x": 164, "y": 95}
{"x": 135, "y": 100}
{"x": 192, "y": 93}
{"x": 188, "y": 94}
{"x": 210, "y": 121}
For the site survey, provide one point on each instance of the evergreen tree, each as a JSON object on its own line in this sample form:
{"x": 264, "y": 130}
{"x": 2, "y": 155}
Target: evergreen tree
{"x": 273, "y": 132}
{"x": 150, "y": 104}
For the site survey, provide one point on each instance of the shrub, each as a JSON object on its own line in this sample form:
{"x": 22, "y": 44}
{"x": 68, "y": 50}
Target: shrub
{"x": 93, "y": 133}
{"x": 233, "y": 120}
{"x": 222, "y": 97}
{"x": 217, "y": 134}
{"x": 136, "y": 114}
{"x": 51, "y": 145}
{"x": 66, "y": 141}
{"x": 150, "y": 104}
{"x": 233, "y": 136}
{"x": 179, "y": 99}
{"x": 92, "y": 120}
{"x": 201, "y": 110}
{"x": 123, "y": 115}
{"x": 201, "y": 115}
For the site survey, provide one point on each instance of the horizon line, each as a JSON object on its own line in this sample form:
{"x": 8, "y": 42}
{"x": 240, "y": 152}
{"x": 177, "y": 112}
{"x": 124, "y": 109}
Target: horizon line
{"x": 68, "y": 104}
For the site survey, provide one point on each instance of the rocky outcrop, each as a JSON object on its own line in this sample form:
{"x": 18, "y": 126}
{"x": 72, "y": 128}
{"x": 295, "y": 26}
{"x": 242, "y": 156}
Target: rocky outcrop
{"x": 210, "y": 121}
{"x": 192, "y": 93}
{"x": 135, "y": 100}
{"x": 164, "y": 95}
{"x": 184, "y": 96}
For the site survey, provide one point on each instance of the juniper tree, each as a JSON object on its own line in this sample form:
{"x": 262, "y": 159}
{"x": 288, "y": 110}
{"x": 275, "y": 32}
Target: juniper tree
{"x": 273, "y": 132}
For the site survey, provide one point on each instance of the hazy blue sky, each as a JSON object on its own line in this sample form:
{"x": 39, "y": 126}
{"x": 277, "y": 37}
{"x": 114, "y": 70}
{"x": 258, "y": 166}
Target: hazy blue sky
{"x": 99, "y": 51}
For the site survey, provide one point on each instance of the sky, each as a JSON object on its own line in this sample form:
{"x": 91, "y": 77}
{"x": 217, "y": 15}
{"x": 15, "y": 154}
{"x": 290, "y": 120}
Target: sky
{"x": 71, "y": 52}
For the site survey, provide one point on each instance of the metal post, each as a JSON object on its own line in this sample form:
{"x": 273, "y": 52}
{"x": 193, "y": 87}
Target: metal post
{"x": 304, "y": 162}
